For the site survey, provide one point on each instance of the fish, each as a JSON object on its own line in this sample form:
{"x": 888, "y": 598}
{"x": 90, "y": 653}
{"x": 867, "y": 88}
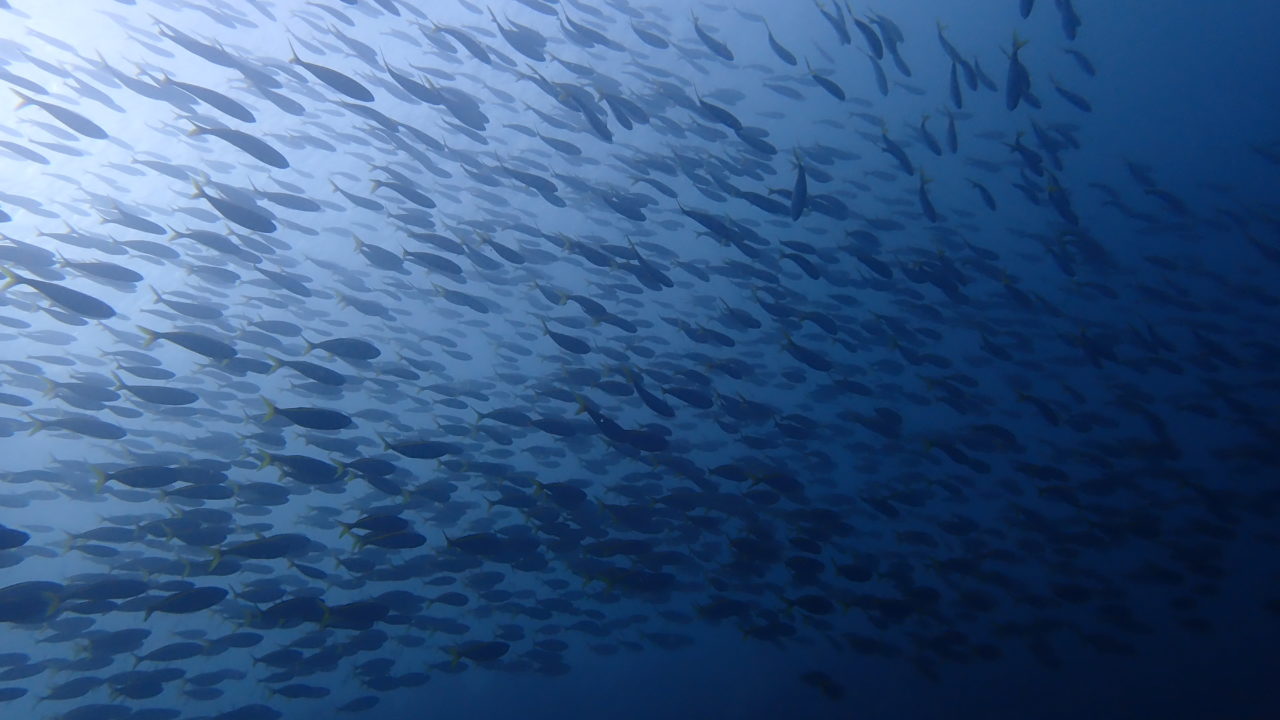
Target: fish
{"x": 987, "y": 198}
{"x": 198, "y": 343}
{"x": 837, "y": 22}
{"x": 894, "y": 150}
{"x": 926, "y": 204}
{"x": 254, "y": 146}
{"x": 66, "y": 298}
{"x": 332, "y": 78}
{"x": 826, "y": 84}
{"x": 248, "y": 217}
{"x": 522, "y": 38}
{"x": 308, "y": 417}
{"x": 882, "y": 80}
{"x": 1017, "y": 80}
{"x": 24, "y": 152}
{"x": 1073, "y": 98}
{"x": 800, "y": 190}
{"x": 1070, "y": 19}
{"x": 783, "y": 54}
{"x": 927, "y": 136}
{"x": 70, "y": 118}
{"x": 224, "y": 104}
{"x": 712, "y": 43}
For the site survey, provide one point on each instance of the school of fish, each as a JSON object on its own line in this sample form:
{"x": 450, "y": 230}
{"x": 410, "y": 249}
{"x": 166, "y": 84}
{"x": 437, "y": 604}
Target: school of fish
{"x": 440, "y": 342}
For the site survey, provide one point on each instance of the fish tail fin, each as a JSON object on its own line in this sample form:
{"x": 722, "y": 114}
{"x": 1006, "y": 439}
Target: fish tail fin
{"x": 276, "y": 363}
{"x": 101, "y": 476}
{"x": 55, "y": 602}
{"x": 36, "y": 424}
{"x": 10, "y": 278}
{"x": 23, "y": 99}
{"x": 151, "y": 336}
{"x": 271, "y": 410}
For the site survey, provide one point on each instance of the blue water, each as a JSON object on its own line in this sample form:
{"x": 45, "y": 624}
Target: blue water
{"x": 738, "y": 444}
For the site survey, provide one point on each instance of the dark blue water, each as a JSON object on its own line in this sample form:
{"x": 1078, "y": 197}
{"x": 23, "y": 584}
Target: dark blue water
{"x": 383, "y": 358}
